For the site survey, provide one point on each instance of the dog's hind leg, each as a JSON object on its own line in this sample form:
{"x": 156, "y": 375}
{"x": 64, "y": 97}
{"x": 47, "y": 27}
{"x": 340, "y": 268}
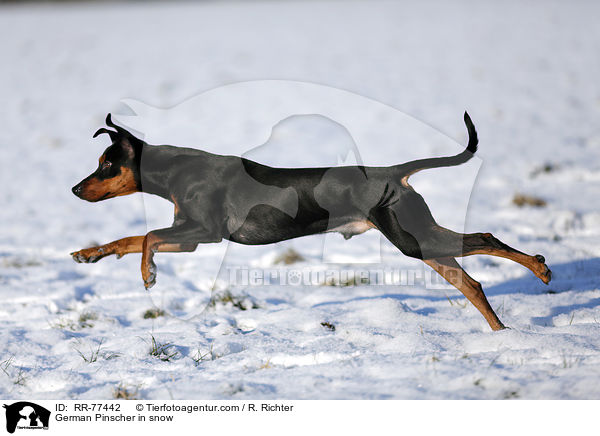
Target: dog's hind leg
{"x": 441, "y": 242}
{"x": 386, "y": 222}
{"x": 449, "y": 268}
{"x": 437, "y": 249}
{"x": 427, "y": 240}
{"x": 486, "y": 243}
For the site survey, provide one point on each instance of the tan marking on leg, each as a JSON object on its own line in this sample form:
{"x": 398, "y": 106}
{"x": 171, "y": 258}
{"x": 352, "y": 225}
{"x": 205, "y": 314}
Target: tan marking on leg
{"x": 152, "y": 244}
{"x": 129, "y": 245}
{"x": 534, "y": 263}
{"x": 119, "y": 247}
{"x": 449, "y": 268}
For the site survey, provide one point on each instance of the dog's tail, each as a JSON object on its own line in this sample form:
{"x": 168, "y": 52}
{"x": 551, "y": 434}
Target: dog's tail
{"x": 409, "y": 168}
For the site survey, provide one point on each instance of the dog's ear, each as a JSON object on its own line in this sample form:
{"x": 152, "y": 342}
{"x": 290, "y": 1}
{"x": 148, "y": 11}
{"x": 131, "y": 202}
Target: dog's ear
{"x": 121, "y": 132}
{"x": 109, "y": 122}
{"x": 113, "y": 135}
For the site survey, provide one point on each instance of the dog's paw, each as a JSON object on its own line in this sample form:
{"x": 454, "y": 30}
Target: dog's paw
{"x": 150, "y": 279}
{"x": 88, "y": 255}
{"x": 545, "y": 275}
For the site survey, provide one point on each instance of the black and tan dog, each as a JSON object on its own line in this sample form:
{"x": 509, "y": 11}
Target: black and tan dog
{"x": 226, "y": 197}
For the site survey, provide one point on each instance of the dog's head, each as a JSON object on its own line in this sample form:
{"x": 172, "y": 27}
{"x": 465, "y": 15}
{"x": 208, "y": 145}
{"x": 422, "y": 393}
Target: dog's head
{"x": 118, "y": 171}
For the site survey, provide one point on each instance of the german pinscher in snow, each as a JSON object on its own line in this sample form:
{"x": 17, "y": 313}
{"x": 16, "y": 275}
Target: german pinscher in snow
{"x": 226, "y": 197}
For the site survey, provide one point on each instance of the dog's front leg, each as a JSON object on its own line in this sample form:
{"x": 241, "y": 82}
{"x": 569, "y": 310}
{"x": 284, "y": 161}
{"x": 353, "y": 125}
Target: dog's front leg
{"x": 183, "y": 237}
{"x": 120, "y": 247}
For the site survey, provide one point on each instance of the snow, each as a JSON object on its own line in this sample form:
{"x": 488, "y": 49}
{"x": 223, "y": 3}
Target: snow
{"x": 526, "y": 72}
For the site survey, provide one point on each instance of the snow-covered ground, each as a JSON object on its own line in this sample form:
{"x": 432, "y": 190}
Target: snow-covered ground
{"x": 527, "y": 72}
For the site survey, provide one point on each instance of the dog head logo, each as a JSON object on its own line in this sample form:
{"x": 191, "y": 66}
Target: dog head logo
{"x": 25, "y": 415}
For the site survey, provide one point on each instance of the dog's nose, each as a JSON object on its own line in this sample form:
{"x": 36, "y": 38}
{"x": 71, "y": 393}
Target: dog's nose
{"x": 77, "y": 190}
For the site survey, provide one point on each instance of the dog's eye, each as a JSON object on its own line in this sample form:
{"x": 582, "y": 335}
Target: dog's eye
{"x": 106, "y": 165}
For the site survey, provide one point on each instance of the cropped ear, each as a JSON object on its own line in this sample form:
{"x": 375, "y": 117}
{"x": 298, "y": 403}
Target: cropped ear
{"x": 113, "y": 135}
{"x": 110, "y": 123}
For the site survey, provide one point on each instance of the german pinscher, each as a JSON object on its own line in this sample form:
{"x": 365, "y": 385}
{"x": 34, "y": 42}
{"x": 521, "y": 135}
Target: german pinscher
{"x": 226, "y": 197}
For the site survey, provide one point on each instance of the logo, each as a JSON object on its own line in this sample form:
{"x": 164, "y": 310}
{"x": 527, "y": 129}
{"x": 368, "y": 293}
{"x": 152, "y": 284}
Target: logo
{"x": 25, "y": 415}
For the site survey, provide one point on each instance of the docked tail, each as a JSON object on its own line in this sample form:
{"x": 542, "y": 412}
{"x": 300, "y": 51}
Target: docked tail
{"x": 410, "y": 168}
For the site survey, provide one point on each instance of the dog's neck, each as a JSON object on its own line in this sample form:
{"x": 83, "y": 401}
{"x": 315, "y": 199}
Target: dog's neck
{"x": 151, "y": 170}
{"x": 155, "y": 163}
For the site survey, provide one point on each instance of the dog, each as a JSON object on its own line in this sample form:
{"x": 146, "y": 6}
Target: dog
{"x": 227, "y": 197}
